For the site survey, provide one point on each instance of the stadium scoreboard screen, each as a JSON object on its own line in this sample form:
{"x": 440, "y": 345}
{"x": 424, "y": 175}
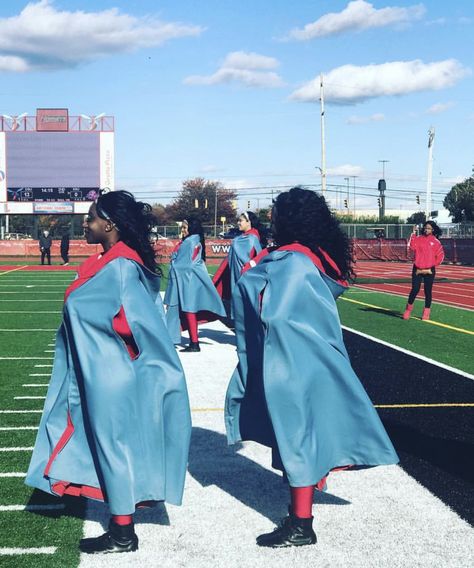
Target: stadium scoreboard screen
{"x": 54, "y": 163}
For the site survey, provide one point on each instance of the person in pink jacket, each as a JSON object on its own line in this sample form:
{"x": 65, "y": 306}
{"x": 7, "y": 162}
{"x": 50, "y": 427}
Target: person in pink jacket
{"x": 429, "y": 254}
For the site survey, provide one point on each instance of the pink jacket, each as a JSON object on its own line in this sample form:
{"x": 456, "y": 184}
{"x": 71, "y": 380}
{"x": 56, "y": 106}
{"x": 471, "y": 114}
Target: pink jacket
{"x": 428, "y": 251}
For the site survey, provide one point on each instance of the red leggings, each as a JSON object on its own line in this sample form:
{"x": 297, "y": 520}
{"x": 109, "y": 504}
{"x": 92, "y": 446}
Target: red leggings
{"x": 302, "y": 501}
{"x": 192, "y": 325}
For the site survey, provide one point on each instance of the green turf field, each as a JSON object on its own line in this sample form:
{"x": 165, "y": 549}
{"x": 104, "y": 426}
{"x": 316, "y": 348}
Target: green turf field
{"x": 30, "y": 312}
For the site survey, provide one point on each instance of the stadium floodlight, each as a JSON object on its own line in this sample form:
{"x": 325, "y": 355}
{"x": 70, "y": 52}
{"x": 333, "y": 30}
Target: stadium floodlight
{"x": 93, "y": 119}
{"x": 15, "y": 119}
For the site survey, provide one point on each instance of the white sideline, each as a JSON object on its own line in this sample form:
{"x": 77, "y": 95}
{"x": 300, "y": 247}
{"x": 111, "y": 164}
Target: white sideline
{"x": 21, "y": 551}
{"x": 411, "y": 353}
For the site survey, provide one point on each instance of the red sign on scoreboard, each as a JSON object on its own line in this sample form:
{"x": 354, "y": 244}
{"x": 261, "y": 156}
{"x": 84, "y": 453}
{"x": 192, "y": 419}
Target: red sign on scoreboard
{"x": 52, "y": 120}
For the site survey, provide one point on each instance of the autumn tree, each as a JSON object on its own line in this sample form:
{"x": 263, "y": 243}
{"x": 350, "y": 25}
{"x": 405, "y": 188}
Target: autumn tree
{"x": 198, "y": 198}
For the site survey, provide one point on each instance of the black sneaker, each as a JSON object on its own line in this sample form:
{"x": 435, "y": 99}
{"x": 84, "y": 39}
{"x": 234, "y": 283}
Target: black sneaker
{"x": 193, "y": 347}
{"x": 292, "y": 531}
{"x": 119, "y": 538}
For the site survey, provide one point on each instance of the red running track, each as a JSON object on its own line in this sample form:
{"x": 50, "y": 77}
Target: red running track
{"x": 460, "y": 294}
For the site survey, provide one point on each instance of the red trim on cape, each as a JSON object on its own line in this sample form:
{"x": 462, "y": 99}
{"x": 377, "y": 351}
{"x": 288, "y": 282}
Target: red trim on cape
{"x": 253, "y": 232}
{"x": 297, "y": 247}
{"x": 95, "y": 263}
{"x": 221, "y": 280}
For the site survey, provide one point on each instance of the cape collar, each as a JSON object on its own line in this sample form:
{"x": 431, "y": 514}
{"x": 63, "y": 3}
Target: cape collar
{"x": 95, "y": 263}
{"x": 252, "y": 232}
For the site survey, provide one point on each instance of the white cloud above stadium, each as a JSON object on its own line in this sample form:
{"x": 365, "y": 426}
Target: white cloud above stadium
{"x": 248, "y": 69}
{"x": 351, "y": 84}
{"x": 357, "y": 16}
{"x": 42, "y": 37}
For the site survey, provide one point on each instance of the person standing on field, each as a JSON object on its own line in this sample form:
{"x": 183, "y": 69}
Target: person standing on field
{"x": 45, "y": 243}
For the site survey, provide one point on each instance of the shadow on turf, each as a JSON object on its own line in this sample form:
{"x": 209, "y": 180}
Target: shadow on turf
{"x": 385, "y": 312}
{"x": 90, "y": 510}
{"x": 213, "y": 462}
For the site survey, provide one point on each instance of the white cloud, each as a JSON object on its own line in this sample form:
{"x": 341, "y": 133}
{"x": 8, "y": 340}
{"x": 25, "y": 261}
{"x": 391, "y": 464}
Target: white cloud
{"x": 377, "y": 117}
{"x": 439, "y": 107}
{"x": 345, "y": 170}
{"x": 352, "y": 84}
{"x": 356, "y": 16}
{"x": 249, "y": 69}
{"x": 42, "y": 37}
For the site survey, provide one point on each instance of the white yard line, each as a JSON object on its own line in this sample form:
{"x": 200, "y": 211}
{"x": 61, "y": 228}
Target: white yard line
{"x": 25, "y": 358}
{"x": 31, "y": 330}
{"x": 35, "y": 385}
{"x": 24, "y": 312}
{"x": 21, "y": 411}
{"x": 14, "y": 428}
{"x": 39, "y": 375}
{"x": 13, "y": 474}
{"x": 6, "y": 508}
{"x": 29, "y": 398}
{"x": 18, "y": 449}
{"x": 43, "y": 366}
{"x": 23, "y": 551}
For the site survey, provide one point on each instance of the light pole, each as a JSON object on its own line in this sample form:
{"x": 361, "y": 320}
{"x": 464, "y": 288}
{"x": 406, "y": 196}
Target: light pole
{"x": 215, "y": 215}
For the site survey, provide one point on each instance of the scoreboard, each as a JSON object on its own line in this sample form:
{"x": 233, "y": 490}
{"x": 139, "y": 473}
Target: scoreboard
{"x": 43, "y": 170}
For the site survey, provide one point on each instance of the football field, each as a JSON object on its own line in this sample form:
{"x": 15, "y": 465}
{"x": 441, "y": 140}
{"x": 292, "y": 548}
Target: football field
{"x": 419, "y": 513}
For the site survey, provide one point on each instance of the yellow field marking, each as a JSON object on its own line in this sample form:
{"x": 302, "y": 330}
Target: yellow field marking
{"x": 439, "y": 324}
{"x": 13, "y": 270}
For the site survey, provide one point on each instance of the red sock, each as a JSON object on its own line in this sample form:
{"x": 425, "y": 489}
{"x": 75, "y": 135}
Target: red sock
{"x": 191, "y": 320}
{"x": 122, "y": 520}
{"x": 302, "y": 501}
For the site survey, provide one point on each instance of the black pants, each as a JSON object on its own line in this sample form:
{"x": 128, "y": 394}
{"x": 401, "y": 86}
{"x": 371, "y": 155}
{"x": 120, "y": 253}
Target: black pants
{"x": 428, "y": 281}
{"x": 47, "y": 253}
{"x": 65, "y": 255}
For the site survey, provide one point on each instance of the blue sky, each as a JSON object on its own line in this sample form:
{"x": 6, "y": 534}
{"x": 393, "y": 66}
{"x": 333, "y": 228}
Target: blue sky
{"x": 223, "y": 89}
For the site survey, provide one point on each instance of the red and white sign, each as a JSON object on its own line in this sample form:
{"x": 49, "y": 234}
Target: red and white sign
{"x": 52, "y": 119}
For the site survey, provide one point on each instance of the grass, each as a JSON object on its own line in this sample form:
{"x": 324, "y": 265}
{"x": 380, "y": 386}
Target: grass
{"x": 382, "y": 319}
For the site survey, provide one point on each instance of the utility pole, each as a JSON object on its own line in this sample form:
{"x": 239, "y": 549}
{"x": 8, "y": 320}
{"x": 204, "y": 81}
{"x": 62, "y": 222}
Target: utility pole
{"x": 354, "y": 195}
{"x": 429, "y": 177}
{"x": 323, "y": 142}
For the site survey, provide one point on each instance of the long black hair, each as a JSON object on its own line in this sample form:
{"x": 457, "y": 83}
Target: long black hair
{"x": 256, "y": 224}
{"x": 134, "y": 221}
{"x": 437, "y": 231}
{"x": 195, "y": 228}
{"x": 303, "y": 216}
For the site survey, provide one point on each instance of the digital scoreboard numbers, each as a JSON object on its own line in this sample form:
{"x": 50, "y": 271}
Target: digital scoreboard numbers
{"x": 31, "y": 194}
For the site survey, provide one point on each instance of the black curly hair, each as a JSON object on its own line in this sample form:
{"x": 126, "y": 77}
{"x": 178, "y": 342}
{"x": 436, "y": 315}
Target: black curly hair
{"x": 134, "y": 221}
{"x": 195, "y": 228}
{"x": 256, "y": 224}
{"x": 437, "y": 231}
{"x": 303, "y": 216}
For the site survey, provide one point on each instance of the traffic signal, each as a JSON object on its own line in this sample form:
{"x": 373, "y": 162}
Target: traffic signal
{"x": 418, "y": 199}
{"x": 346, "y": 204}
{"x": 379, "y": 201}
{"x": 248, "y": 204}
